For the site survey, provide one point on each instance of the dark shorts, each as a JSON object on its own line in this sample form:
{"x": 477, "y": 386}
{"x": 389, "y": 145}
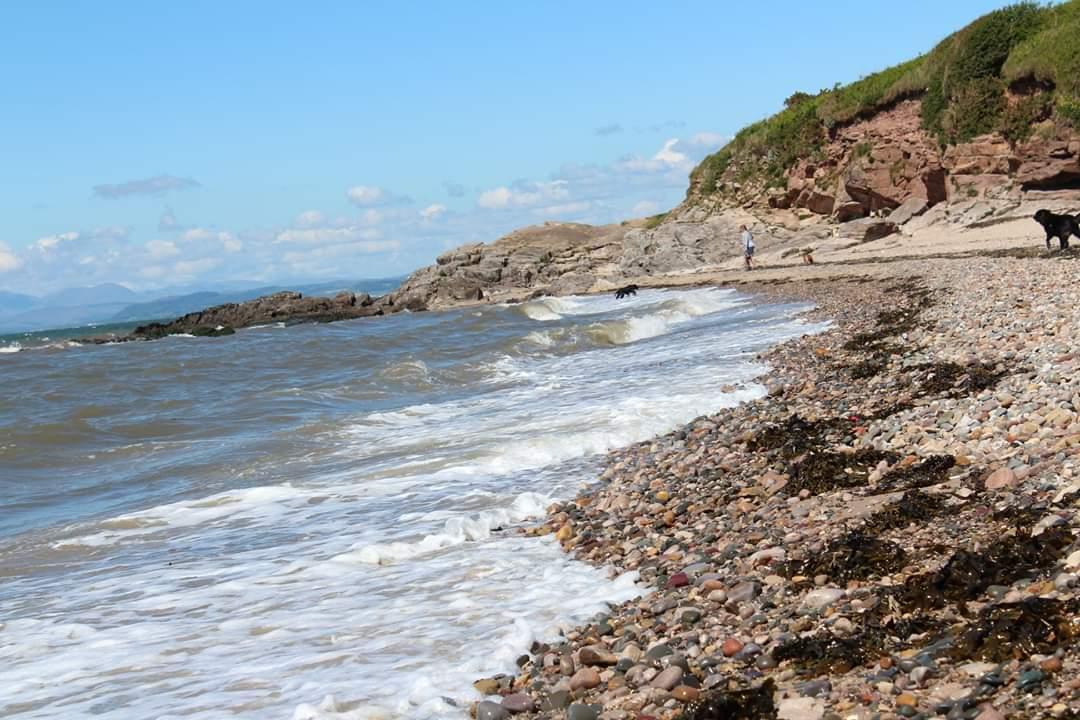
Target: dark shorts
{"x": 748, "y": 252}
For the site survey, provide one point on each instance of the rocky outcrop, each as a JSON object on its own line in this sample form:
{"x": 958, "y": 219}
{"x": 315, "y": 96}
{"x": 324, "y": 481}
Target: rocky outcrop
{"x": 287, "y": 307}
{"x": 687, "y": 243}
{"x": 555, "y": 258}
{"x": 867, "y": 230}
{"x": 868, "y": 166}
{"x": 1049, "y": 164}
{"x": 872, "y": 166}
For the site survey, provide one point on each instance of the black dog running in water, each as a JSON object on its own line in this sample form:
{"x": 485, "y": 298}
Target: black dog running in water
{"x": 632, "y": 290}
{"x": 1059, "y": 226}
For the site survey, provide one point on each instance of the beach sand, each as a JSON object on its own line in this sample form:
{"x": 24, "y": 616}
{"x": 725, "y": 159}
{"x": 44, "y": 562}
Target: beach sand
{"x": 889, "y": 533}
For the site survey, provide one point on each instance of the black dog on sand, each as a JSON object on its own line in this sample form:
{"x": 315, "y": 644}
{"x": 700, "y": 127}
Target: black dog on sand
{"x": 1059, "y": 226}
{"x": 632, "y": 290}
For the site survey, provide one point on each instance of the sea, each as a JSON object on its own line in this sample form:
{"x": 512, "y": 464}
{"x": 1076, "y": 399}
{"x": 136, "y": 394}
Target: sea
{"x": 322, "y": 521}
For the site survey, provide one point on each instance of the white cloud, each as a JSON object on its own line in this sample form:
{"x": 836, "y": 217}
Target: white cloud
{"x": 167, "y": 222}
{"x": 666, "y": 158}
{"x": 51, "y": 242}
{"x": 372, "y": 196}
{"x": 196, "y": 234}
{"x": 669, "y": 156}
{"x": 157, "y": 185}
{"x": 230, "y": 242}
{"x": 327, "y": 236}
{"x": 571, "y": 208}
{"x": 196, "y": 267}
{"x": 111, "y": 232}
{"x": 8, "y": 260}
{"x": 645, "y": 207}
{"x": 366, "y": 195}
{"x": 162, "y": 248}
{"x": 498, "y": 198}
{"x": 152, "y": 272}
{"x": 523, "y": 195}
{"x": 335, "y": 251}
{"x": 432, "y": 212}
{"x": 708, "y": 139}
{"x": 309, "y": 218}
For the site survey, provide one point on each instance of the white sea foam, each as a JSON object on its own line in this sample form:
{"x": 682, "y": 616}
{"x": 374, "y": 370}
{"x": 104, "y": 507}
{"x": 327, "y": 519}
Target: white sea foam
{"x": 377, "y": 584}
{"x": 266, "y": 504}
{"x": 12, "y": 348}
{"x": 457, "y": 530}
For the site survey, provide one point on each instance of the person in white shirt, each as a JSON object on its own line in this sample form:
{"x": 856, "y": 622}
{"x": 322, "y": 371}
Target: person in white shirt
{"x": 748, "y": 247}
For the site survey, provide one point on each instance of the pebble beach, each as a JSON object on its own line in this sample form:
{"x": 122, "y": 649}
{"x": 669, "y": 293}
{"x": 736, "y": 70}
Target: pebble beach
{"x": 889, "y": 533}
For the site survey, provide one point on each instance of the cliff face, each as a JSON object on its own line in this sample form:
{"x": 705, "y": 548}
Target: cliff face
{"x": 876, "y": 164}
{"x": 991, "y": 112}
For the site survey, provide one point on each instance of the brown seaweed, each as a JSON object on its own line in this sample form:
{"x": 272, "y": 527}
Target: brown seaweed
{"x": 748, "y": 704}
{"x": 967, "y": 574}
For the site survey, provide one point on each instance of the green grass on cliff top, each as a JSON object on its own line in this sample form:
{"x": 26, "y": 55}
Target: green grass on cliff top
{"x": 962, "y": 83}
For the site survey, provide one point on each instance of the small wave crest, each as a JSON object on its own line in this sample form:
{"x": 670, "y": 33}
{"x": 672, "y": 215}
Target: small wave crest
{"x": 552, "y": 308}
{"x": 265, "y": 503}
{"x": 411, "y": 372}
{"x": 10, "y": 349}
{"x": 457, "y": 531}
{"x": 669, "y": 314}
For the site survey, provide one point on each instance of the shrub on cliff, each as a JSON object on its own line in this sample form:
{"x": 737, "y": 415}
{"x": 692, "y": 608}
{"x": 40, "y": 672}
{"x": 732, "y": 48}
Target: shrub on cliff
{"x": 963, "y": 83}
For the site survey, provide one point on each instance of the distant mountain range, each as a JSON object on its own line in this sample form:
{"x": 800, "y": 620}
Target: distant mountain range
{"x": 112, "y": 303}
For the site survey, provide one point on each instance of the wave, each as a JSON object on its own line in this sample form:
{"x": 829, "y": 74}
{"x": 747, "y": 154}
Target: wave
{"x": 670, "y": 314}
{"x": 457, "y": 531}
{"x": 262, "y": 501}
{"x": 544, "y": 310}
{"x": 412, "y": 373}
{"x": 10, "y": 349}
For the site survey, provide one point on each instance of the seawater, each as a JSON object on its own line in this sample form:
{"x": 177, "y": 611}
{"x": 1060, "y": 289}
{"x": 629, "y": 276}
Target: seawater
{"x": 319, "y": 521}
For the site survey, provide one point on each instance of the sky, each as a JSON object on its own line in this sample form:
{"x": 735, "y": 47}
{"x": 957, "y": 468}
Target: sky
{"x": 213, "y": 143}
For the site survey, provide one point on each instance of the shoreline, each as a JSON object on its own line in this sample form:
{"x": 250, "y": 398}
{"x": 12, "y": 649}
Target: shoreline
{"x": 916, "y": 443}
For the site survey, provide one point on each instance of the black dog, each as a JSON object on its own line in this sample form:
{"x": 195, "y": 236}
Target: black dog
{"x": 1059, "y": 226}
{"x": 632, "y": 289}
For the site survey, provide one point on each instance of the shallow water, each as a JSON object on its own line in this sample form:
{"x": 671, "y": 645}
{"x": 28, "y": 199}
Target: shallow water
{"x": 317, "y": 521}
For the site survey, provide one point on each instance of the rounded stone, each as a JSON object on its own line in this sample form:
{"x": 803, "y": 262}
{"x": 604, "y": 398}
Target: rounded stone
{"x": 585, "y": 678}
{"x": 581, "y": 711}
{"x": 668, "y": 678}
{"x": 685, "y": 693}
{"x": 488, "y": 710}
{"x": 518, "y": 703}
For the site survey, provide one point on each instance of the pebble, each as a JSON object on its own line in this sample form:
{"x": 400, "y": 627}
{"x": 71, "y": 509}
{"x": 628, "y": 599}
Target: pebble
{"x": 518, "y": 703}
{"x": 685, "y": 694}
{"x": 581, "y": 711}
{"x": 586, "y": 678}
{"x": 596, "y": 656}
{"x": 737, "y": 547}
{"x": 822, "y": 597}
{"x": 1002, "y": 478}
{"x": 487, "y": 710}
{"x": 668, "y": 678}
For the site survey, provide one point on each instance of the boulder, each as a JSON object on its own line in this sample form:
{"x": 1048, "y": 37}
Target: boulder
{"x": 867, "y": 230}
{"x": 817, "y": 202}
{"x": 573, "y": 283}
{"x": 912, "y": 207}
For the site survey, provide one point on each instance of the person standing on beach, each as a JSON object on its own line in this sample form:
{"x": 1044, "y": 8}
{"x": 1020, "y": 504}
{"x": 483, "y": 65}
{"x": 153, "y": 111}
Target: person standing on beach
{"x": 747, "y": 240}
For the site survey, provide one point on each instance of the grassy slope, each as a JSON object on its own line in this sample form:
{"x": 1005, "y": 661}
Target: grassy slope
{"x": 962, "y": 83}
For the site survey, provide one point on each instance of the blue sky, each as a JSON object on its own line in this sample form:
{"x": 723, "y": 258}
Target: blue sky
{"x": 203, "y": 143}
